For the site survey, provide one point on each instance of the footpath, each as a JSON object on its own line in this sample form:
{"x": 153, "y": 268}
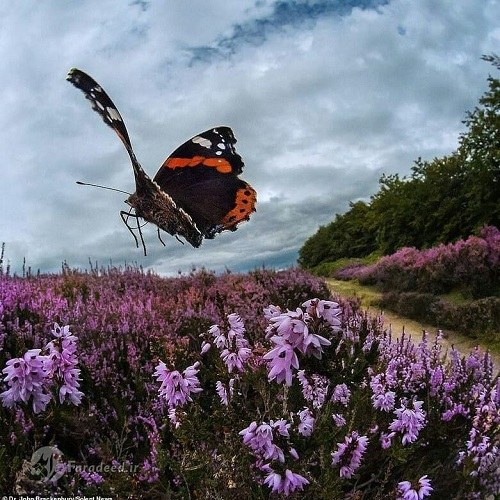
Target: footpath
{"x": 399, "y": 324}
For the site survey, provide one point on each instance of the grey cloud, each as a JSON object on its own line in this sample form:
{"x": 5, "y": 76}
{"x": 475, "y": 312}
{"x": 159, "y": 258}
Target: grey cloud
{"x": 321, "y": 106}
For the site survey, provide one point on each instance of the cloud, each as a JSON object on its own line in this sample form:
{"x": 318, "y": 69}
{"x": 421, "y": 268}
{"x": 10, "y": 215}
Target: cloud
{"x": 323, "y": 98}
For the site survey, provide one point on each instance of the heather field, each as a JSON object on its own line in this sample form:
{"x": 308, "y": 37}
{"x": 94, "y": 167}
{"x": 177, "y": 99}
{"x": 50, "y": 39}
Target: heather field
{"x": 125, "y": 384}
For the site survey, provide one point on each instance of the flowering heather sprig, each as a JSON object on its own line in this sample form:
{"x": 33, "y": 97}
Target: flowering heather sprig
{"x": 63, "y": 363}
{"x": 150, "y": 471}
{"x": 261, "y": 440}
{"x": 177, "y": 388}
{"x": 349, "y": 454}
{"x": 234, "y": 347}
{"x": 339, "y": 420}
{"x": 384, "y": 401}
{"x": 407, "y": 491}
{"x": 307, "y": 422}
{"x": 34, "y": 374}
{"x": 27, "y": 378}
{"x": 286, "y": 484}
{"x": 223, "y": 393}
{"x": 292, "y": 332}
{"x": 341, "y": 394}
{"x": 314, "y": 388}
{"x": 91, "y": 478}
{"x": 409, "y": 422}
{"x": 325, "y": 309}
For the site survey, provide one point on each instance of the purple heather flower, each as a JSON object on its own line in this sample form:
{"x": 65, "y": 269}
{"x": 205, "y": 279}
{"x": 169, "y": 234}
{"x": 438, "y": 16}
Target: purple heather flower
{"x": 287, "y": 484}
{"x": 91, "y": 478}
{"x": 339, "y": 419}
{"x": 172, "y": 416}
{"x": 456, "y": 409}
{"x": 384, "y": 401}
{"x": 205, "y": 347}
{"x": 63, "y": 364}
{"x": 236, "y": 360}
{"x": 59, "y": 331}
{"x": 27, "y": 377}
{"x": 292, "y": 326}
{"x": 281, "y": 426}
{"x": 260, "y": 439}
{"x": 409, "y": 421}
{"x": 177, "y": 388}
{"x": 307, "y": 421}
{"x": 386, "y": 440}
{"x": 271, "y": 311}
{"x": 236, "y": 324}
{"x": 234, "y": 346}
{"x": 219, "y": 338}
{"x": 349, "y": 453}
{"x": 314, "y": 391}
{"x": 221, "y": 391}
{"x": 420, "y": 491}
{"x": 281, "y": 360}
{"x": 326, "y": 309}
{"x": 341, "y": 394}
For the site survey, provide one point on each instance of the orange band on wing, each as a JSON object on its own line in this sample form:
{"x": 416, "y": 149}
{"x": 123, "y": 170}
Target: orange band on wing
{"x": 220, "y": 164}
{"x": 244, "y": 205}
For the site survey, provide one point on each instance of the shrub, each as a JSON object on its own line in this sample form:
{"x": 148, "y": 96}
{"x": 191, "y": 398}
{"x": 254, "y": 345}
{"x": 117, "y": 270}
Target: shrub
{"x": 472, "y": 265}
{"x": 186, "y": 396}
{"x": 475, "y": 318}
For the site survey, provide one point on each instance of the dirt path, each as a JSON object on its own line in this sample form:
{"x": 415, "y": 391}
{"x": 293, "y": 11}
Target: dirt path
{"x": 398, "y": 324}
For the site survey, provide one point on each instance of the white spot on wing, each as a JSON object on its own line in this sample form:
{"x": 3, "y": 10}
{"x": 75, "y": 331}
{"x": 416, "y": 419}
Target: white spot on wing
{"x": 202, "y": 141}
{"x": 113, "y": 114}
{"x": 221, "y": 145}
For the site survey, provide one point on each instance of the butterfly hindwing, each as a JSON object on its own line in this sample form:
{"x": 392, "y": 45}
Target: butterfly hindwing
{"x": 214, "y": 200}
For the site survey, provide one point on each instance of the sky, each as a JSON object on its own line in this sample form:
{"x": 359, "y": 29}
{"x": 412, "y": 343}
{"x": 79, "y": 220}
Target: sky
{"x": 323, "y": 96}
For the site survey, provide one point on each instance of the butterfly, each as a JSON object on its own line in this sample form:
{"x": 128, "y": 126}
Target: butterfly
{"x": 196, "y": 193}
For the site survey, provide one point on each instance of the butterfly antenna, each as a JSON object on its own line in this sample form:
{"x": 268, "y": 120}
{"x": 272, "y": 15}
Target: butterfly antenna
{"x": 102, "y": 187}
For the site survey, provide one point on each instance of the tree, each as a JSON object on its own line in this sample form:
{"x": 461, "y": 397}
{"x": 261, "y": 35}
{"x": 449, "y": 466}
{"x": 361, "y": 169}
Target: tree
{"x": 443, "y": 200}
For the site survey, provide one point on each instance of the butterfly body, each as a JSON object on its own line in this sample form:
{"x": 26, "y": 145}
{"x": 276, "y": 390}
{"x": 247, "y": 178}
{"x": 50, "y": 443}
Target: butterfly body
{"x": 154, "y": 205}
{"x": 196, "y": 193}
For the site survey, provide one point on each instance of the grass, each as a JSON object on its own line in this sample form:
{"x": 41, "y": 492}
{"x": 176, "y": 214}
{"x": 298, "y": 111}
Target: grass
{"x": 328, "y": 268}
{"x": 367, "y": 295}
{"x": 455, "y": 297}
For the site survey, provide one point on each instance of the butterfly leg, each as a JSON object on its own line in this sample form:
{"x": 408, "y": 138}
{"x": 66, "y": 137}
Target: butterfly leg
{"x": 125, "y": 215}
{"x": 140, "y": 234}
{"x": 159, "y": 237}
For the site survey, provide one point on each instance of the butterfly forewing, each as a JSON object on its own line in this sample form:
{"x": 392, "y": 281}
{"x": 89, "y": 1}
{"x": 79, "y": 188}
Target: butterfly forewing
{"x": 101, "y": 103}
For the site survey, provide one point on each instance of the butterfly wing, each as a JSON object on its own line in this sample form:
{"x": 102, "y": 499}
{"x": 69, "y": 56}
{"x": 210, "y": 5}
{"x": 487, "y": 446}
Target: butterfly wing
{"x": 101, "y": 103}
{"x": 105, "y": 107}
{"x": 202, "y": 177}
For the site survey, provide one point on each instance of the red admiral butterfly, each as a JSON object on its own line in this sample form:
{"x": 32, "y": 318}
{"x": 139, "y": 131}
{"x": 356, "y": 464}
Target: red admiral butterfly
{"x": 196, "y": 193}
